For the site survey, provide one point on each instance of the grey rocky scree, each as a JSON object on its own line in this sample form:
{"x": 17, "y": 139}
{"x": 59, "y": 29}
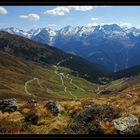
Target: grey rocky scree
{"x": 8, "y": 105}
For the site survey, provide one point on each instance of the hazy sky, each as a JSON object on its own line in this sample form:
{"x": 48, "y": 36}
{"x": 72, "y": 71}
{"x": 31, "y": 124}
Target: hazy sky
{"x": 27, "y": 17}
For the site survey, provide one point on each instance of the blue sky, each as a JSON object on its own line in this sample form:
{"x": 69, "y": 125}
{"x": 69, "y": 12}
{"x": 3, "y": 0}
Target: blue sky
{"x": 27, "y": 17}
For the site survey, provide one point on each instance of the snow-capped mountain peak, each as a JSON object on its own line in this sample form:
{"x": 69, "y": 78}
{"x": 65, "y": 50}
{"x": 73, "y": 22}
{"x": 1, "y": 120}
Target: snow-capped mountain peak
{"x": 13, "y": 30}
{"x": 68, "y": 30}
{"x": 109, "y": 44}
{"x": 34, "y": 32}
{"x": 86, "y": 30}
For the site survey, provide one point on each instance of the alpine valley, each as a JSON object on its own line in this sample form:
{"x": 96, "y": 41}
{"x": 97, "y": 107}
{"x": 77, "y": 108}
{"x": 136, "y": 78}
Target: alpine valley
{"x": 76, "y": 80}
{"x": 112, "y": 46}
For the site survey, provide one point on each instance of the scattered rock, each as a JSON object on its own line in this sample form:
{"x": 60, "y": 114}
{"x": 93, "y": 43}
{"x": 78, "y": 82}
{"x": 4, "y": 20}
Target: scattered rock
{"x": 8, "y": 105}
{"x": 32, "y": 103}
{"x": 54, "y": 108}
{"x": 128, "y": 95}
{"x": 124, "y": 123}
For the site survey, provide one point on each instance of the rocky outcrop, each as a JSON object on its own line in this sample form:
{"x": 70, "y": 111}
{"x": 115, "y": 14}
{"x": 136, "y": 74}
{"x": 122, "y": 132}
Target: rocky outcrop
{"x": 127, "y": 125}
{"x": 54, "y": 108}
{"x": 8, "y": 105}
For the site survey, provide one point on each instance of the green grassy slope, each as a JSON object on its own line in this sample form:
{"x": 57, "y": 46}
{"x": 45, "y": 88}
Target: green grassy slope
{"x": 16, "y": 71}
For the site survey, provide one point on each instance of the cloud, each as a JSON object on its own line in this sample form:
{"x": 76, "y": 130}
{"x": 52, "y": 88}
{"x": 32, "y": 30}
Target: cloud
{"x": 31, "y": 17}
{"x": 80, "y": 8}
{"x": 3, "y": 10}
{"x": 58, "y": 11}
{"x": 94, "y": 22}
{"x": 51, "y": 25}
{"x": 94, "y": 19}
{"x": 128, "y": 25}
{"x": 62, "y": 10}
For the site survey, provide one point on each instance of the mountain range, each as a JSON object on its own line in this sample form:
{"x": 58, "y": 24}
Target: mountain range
{"x": 111, "y": 46}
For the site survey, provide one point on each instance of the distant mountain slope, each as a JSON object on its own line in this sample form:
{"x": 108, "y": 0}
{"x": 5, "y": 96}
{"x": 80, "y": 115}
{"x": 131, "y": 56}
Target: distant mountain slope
{"x": 110, "y": 45}
{"x": 44, "y": 54}
{"x": 127, "y": 72}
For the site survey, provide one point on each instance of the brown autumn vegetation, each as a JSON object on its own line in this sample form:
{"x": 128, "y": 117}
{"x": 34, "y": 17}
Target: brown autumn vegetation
{"x": 47, "y": 123}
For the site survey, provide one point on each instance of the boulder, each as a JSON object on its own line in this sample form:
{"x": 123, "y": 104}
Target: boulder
{"x": 54, "y": 108}
{"x": 8, "y": 105}
{"x": 124, "y": 123}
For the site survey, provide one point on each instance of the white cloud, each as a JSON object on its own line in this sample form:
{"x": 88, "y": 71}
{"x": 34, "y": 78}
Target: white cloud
{"x": 51, "y": 25}
{"x": 80, "y": 8}
{"x": 94, "y": 19}
{"x": 94, "y": 22}
{"x": 128, "y": 25}
{"x": 58, "y": 11}
{"x": 3, "y": 10}
{"x": 62, "y": 10}
{"x": 31, "y": 16}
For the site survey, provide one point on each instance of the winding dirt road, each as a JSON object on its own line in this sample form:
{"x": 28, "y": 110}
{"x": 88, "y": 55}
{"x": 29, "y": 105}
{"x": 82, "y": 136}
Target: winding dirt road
{"x": 61, "y": 75}
{"x": 30, "y": 81}
{"x": 71, "y": 82}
